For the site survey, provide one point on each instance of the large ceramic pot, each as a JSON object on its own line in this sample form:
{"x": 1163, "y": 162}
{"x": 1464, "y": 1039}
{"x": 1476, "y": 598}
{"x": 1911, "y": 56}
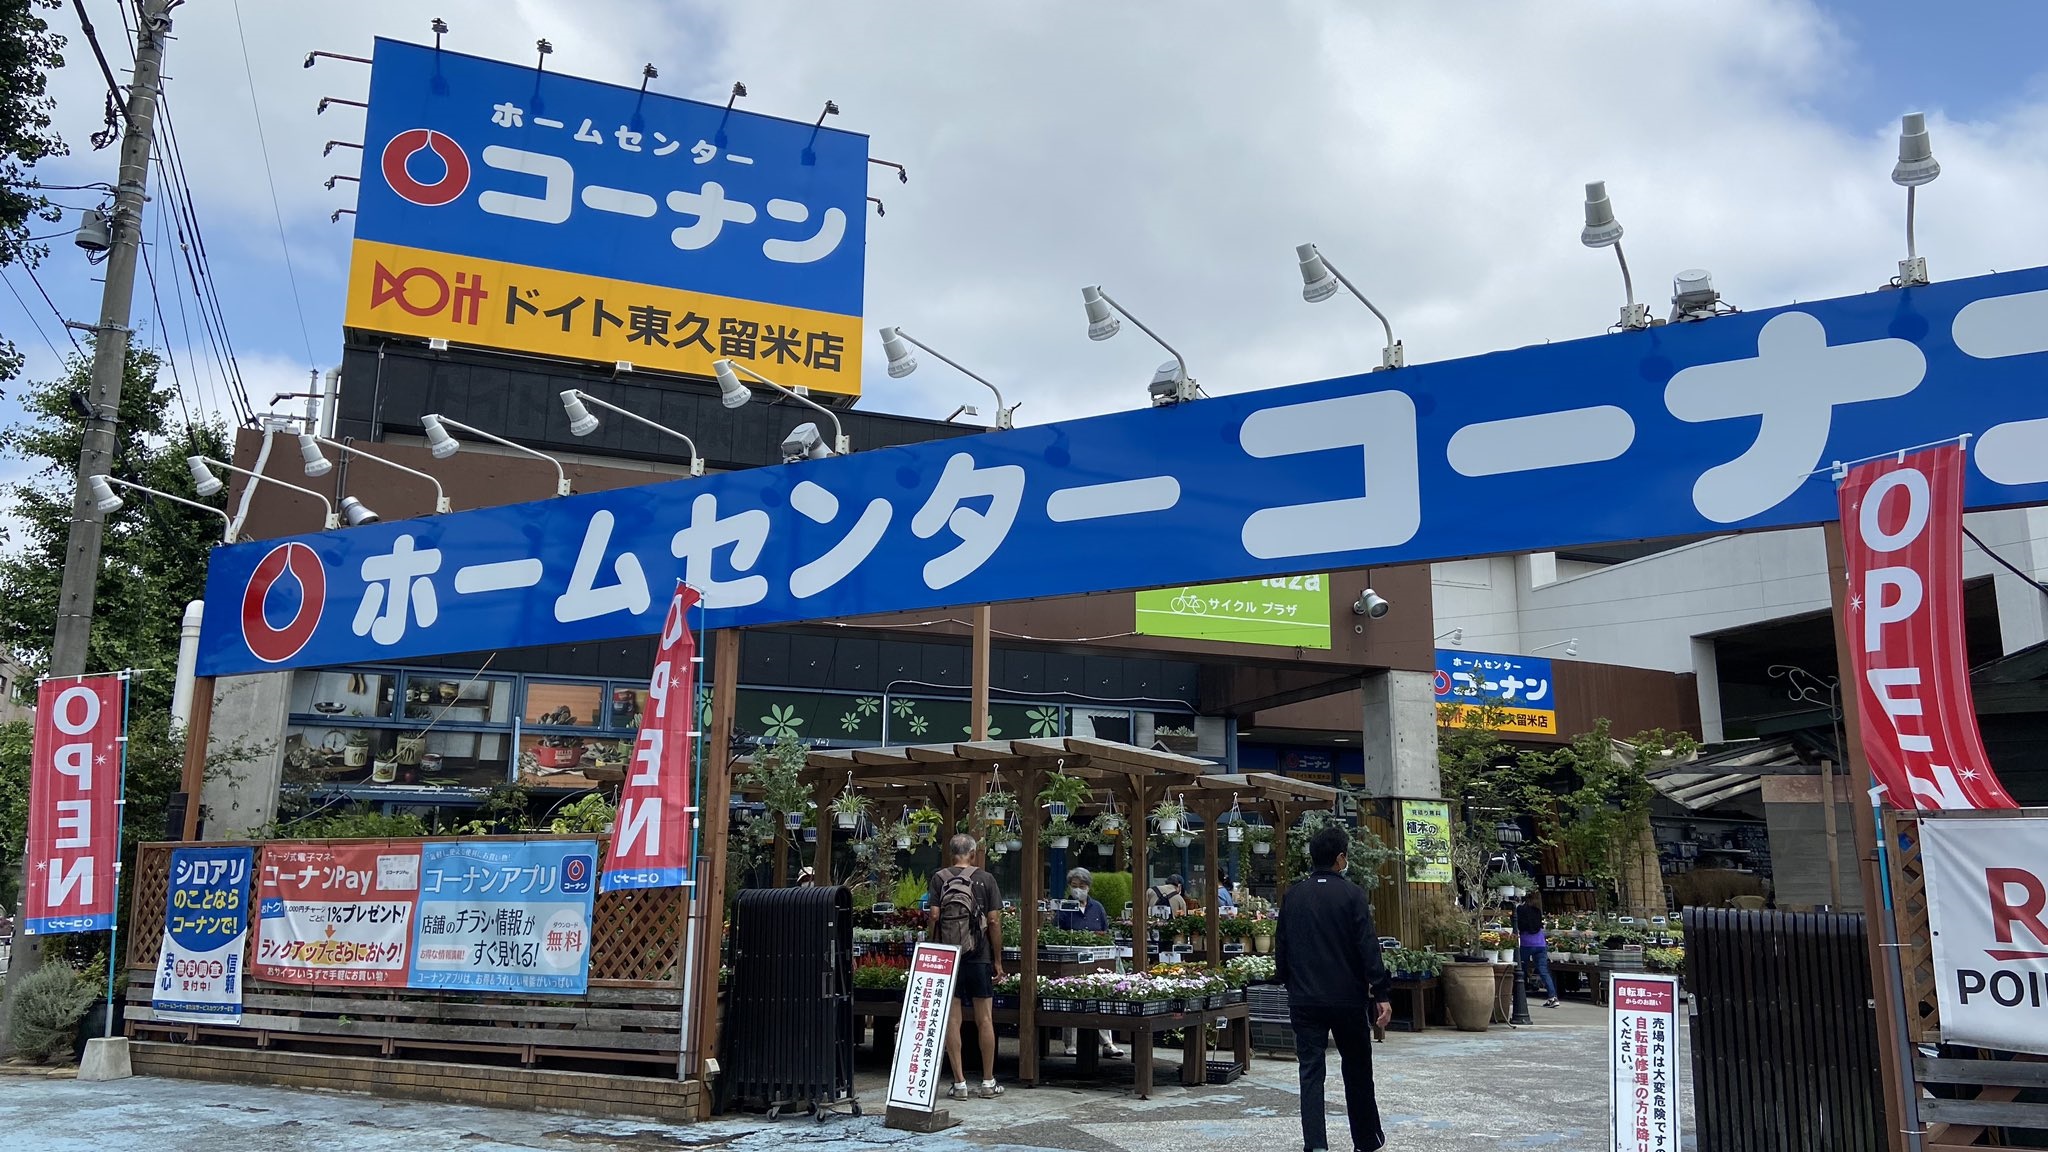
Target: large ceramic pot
{"x": 1468, "y": 993}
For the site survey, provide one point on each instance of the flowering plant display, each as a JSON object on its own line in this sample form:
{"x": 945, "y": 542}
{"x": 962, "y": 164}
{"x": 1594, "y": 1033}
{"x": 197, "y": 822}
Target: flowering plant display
{"x": 1242, "y": 970}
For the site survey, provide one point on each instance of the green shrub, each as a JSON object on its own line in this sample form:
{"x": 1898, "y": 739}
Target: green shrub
{"x": 910, "y": 888}
{"x": 47, "y": 1008}
{"x": 1114, "y": 890}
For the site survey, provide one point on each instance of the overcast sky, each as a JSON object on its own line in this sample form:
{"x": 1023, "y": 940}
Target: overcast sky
{"x": 1176, "y": 153}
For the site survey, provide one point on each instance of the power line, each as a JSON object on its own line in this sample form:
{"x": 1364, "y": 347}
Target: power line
{"x": 54, "y": 310}
{"x": 192, "y": 244}
{"x": 163, "y": 338}
{"x": 270, "y": 177}
{"x": 31, "y": 316}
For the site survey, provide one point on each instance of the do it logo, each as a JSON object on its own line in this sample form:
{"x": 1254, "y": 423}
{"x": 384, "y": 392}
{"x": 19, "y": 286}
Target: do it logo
{"x": 399, "y": 155}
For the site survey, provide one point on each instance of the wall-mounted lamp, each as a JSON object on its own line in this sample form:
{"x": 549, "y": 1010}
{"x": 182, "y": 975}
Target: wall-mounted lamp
{"x": 1916, "y": 166}
{"x": 1604, "y": 231}
{"x": 582, "y": 422}
{"x": 896, "y": 345}
{"x": 1456, "y": 636}
{"x": 108, "y": 501}
{"x": 1371, "y": 604}
{"x": 443, "y": 445}
{"x": 1171, "y": 384}
{"x": 736, "y": 394}
{"x": 1571, "y": 647}
{"x": 1320, "y": 280}
{"x": 206, "y": 483}
{"x": 317, "y": 464}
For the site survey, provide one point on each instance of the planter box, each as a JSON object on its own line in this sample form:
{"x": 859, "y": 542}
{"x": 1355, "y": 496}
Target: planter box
{"x": 1216, "y": 999}
{"x": 1049, "y": 1004}
{"x": 1139, "y": 1007}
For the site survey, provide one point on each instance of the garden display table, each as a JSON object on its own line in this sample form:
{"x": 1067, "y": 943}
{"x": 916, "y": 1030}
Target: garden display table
{"x": 1596, "y": 975}
{"x": 1416, "y": 991}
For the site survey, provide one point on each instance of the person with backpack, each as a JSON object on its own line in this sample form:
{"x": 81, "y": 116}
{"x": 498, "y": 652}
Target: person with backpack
{"x": 966, "y": 911}
{"x": 1168, "y": 898}
{"x": 1327, "y": 954}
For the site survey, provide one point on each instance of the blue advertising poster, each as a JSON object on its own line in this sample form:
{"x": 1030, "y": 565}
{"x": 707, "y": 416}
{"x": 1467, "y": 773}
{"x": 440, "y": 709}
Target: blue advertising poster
{"x": 1519, "y": 686}
{"x": 1724, "y": 425}
{"x": 505, "y": 916}
{"x": 508, "y": 207}
{"x": 206, "y": 927}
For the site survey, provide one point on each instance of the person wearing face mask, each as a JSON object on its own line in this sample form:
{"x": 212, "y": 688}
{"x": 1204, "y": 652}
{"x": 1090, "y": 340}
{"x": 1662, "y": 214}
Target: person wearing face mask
{"x": 1091, "y": 917}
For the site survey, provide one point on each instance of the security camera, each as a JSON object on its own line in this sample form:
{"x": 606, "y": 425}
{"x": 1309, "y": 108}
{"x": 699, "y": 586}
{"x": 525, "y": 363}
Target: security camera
{"x": 1370, "y": 604}
{"x": 804, "y": 443}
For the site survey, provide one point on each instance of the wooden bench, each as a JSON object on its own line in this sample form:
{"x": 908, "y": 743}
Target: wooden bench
{"x": 1595, "y": 974}
{"x": 1416, "y": 991}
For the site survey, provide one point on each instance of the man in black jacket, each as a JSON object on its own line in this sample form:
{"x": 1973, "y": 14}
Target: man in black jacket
{"x": 1328, "y": 955}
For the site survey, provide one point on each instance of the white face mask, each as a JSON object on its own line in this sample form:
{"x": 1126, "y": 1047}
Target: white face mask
{"x": 1080, "y": 893}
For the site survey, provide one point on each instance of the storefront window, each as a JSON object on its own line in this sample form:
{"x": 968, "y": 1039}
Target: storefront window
{"x": 399, "y": 732}
{"x": 564, "y": 704}
{"x": 343, "y": 694}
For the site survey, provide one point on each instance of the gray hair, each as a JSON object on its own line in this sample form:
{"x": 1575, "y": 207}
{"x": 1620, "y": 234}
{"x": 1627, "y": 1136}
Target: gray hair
{"x": 1079, "y": 878}
{"x": 961, "y": 846}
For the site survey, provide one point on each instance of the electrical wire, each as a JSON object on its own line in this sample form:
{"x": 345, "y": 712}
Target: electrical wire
{"x": 2002, "y": 561}
{"x": 270, "y": 177}
{"x": 185, "y": 326}
{"x": 163, "y": 338}
{"x": 31, "y": 316}
{"x": 54, "y": 310}
{"x": 192, "y": 245}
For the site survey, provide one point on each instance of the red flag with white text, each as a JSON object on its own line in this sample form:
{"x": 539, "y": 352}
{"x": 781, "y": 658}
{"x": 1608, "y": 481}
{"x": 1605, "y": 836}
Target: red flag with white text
{"x": 74, "y": 805}
{"x": 1902, "y": 532}
{"x": 651, "y": 836}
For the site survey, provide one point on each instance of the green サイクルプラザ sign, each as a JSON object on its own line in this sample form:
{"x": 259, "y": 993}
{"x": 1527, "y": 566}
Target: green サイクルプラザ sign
{"x": 1292, "y": 611}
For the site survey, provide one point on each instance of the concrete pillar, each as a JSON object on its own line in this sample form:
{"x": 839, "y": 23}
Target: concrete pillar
{"x": 248, "y": 712}
{"x": 2019, "y": 535}
{"x": 1398, "y": 735}
{"x": 1706, "y": 671}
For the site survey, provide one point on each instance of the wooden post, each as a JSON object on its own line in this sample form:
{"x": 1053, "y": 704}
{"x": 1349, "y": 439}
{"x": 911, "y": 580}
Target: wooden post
{"x": 1888, "y": 1038}
{"x": 714, "y": 819}
{"x": 1827, "y": 800}
{"x": 821, "y": 857}
{"x": 1214, "y": 942}
{"x": 1279, "y": 849}
{"x": 977, "y": 692}
{"x": 198, "y": 731}
{"x": 1141, "y": 912}
{"x": 1027, "y": 935}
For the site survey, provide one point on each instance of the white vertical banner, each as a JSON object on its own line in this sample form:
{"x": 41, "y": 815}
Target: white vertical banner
{"x": 1642, "y": 1057}
{"x": 1987, "y": 907}
{"x": 921, "y": 1036}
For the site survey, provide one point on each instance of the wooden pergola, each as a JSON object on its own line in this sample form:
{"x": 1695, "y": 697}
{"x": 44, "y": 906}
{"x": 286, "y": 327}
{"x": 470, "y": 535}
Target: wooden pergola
{"x": 952, "y": 777}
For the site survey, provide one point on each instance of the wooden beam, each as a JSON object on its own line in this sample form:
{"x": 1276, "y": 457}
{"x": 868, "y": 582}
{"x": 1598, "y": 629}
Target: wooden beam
{"x": 977, "y": 691}
{"x": 714, "y": 817}
{"x": 1213, "y": 945}
{"x": 1027, "y": 936}
{"x": 1141, "y": 959}
{"x": 198, "y": 732}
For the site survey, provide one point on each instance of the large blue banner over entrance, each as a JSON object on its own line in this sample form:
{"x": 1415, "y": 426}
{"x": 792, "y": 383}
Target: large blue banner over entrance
{"x": 1692, "y": 428}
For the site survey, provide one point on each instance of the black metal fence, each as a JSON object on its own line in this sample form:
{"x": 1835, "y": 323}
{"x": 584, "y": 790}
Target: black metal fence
{"x": 787, "y": 1040}
{"x": 1784, "y": 1037}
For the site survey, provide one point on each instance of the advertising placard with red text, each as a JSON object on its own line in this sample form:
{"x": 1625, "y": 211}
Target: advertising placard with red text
{"x": 1987, "y": 908}
{"x": 74, "y": 814}
{"x": 1902, "y": 538}
{"x": 337, "y": 913}
{"x": 921, "y": 1034}
{"x": 651, "y": 837}
{"x": 1643, "y": 1059}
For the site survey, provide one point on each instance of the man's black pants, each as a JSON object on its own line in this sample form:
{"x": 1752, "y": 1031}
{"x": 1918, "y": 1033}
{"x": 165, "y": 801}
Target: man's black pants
{"x": 1352, "y": 1027}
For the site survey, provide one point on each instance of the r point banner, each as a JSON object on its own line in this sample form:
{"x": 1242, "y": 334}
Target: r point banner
{"x": 74, "y": 814}
{"x": 651, "y": 837}
{"x": 1987, "y": 907}
{"x": 1902, "y": 535}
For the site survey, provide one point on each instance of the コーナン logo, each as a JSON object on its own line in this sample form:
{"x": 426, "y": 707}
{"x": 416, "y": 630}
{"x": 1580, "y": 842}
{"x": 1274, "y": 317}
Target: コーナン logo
{"x": 276, "y": 643}
{"x": 410, "y": 143}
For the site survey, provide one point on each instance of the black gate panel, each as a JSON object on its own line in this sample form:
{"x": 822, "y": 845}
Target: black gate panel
{"x": 788, "y": 1034}
{"x": 1784, "y": 1036}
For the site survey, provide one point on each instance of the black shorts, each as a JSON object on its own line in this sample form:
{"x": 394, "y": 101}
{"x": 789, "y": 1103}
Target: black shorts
{"x": 974, "y": 981}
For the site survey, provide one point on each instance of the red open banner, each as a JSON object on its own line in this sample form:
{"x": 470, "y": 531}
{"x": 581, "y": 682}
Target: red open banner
{"x": 74, "y": 812}
{"x": 651, "y": 837}
{"x": 1902, "y": 533}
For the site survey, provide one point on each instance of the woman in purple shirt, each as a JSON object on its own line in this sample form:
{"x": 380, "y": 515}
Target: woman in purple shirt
{"x": 1535, "y": 946}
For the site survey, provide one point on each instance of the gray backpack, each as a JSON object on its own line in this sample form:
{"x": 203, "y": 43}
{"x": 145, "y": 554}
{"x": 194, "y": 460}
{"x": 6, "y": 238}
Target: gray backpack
{"x": 959, "y": 910}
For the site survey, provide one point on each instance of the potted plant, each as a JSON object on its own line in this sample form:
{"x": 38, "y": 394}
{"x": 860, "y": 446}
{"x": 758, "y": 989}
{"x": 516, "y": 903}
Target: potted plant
{"x": 558, "y": 753}
{"x": 1063, "y": 794}
{"x": 848, "y": 808}
{"x": 924, "y": 822}
{"x": 1511, "y": 883}
{"x": 1261, "y": 838}
{"x": 356, "y": 753}
{"x": 1168, "y": 815}
{"x": 1108, "y": 825}
{"x": 1061, "y": 832}
{"x": 409, "y": 748}
{"x": 995, "y": 805}
{"x": 1232, "y": 824}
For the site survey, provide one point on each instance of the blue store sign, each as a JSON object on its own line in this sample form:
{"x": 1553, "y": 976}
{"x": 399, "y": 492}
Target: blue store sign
{"x": 1681, "y": 430}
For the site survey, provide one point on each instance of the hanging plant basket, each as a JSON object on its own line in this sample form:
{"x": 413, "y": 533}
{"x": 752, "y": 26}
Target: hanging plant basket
{"x": 1059, "y": 842}
{"x": 1105, "y": 849}
{"x": 903, "y": 843}
{"x": 792, "y": 820}
{"x": 1169, "y": 827}
{"x": 1233, "y": 833}
{"x": 848, "y": 820}
{"x": 1055, "y": 808}
{"x": 1182, "y": 840}
{"x": 1013, "y": 845}
{"x": 1262, "y": 848}
{"x": 996, "y": 815}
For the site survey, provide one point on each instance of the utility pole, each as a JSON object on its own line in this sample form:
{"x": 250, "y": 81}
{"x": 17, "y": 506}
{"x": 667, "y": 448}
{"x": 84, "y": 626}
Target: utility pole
{"x": 68, "y": 649}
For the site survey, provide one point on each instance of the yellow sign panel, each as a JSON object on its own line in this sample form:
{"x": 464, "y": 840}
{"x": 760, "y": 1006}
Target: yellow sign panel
{"x": 491, "y": 304}
{"x": 1426, "y": 836}
{"x": 1511, "y": 719}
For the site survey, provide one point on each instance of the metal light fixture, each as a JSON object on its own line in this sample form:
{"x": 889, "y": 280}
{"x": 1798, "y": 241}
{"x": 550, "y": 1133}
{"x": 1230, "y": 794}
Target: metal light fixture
{"x": 317, "y": 464}
{"x": 1171, "y": 384}
{"x": 443, "y": 445}
{"x": 804, "y": 443}
{"x": 582, "y": 422}
{"x": 1602, "y": 230}
{"x": 1916, "y": 166}
{"x": 1571, "y": 647}
{"x": 1371, "y": 604}
{"x": 357, "y": 512}
{"x": 737, "y": 394}
{"x": 1693, "y": 296}
{"x": 206, "y": 483}
{"x": 108, "y": 501}
{"x": 1456, "y": 636}
{"x": 1320, "y": 280}
{"x": 896, "y": 345}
